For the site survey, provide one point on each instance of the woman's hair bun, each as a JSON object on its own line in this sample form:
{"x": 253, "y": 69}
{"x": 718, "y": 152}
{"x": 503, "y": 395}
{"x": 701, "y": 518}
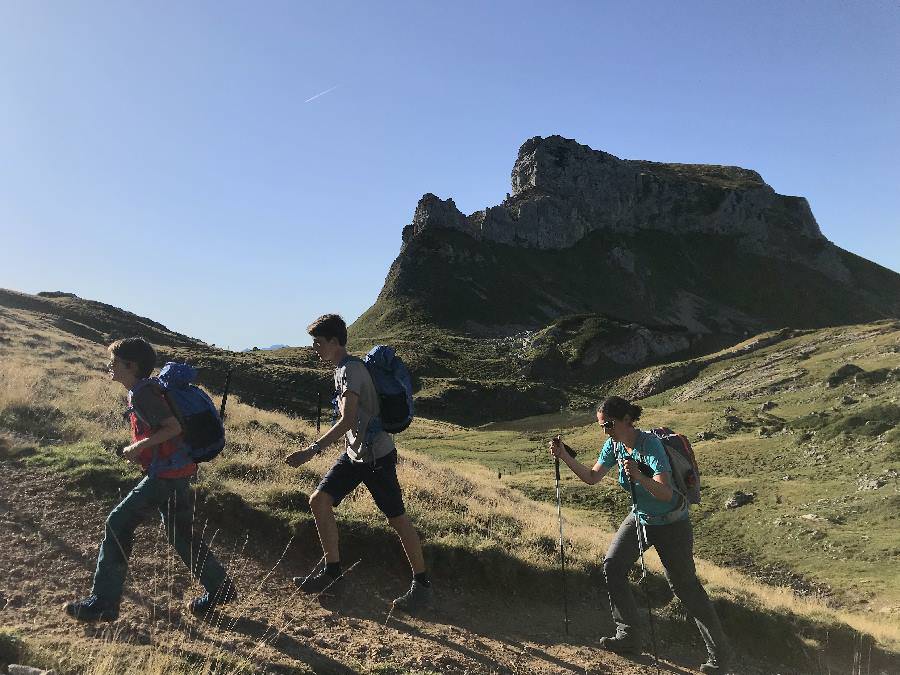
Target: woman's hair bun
{"x": 617, "y": 408}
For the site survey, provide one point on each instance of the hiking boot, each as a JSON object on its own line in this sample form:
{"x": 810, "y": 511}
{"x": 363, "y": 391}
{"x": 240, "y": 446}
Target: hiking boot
{"x": 418, "y": 597}
{"x": 210, "y": 601}
{"x": 92, "y": 608}
{"x": 620, "y": 644}
{"x": 318, "y": 583}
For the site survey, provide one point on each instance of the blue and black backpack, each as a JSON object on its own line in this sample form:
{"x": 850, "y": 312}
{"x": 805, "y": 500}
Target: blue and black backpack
{"x": 394, "y": 387}
{"x": 201, "y": 423}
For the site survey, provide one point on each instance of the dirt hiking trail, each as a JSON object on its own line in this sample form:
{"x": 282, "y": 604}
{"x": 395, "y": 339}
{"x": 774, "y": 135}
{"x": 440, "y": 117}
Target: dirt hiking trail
{"x": 49, "y": 538}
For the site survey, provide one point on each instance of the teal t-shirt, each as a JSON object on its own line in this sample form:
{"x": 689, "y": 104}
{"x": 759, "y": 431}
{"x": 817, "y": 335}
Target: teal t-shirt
{"x": 648, "y": 451}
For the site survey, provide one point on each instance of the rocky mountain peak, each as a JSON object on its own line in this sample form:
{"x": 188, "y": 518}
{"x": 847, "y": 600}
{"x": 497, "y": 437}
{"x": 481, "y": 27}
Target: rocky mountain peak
{"x": 563, "y": 190}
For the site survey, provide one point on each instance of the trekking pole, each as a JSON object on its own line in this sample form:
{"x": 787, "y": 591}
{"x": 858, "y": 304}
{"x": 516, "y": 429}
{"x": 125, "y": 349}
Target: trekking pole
{"x": 319, "y": 416}
{"x": 225, "y": 393}
{"x": 640, "y": 538}
{"x": 221, "y": 408}
{"x": 562, "y": 551}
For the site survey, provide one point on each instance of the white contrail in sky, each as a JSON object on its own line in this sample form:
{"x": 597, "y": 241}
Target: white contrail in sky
{"x": 313, "y": 98}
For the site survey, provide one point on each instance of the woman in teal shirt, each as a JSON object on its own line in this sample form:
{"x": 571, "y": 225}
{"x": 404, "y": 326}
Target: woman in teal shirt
{"x": 664, "y": 523}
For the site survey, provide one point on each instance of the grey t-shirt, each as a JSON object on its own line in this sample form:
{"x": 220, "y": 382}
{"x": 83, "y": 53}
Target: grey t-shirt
{"x": 151, "y": 408}
{"x": 353, "y": 376}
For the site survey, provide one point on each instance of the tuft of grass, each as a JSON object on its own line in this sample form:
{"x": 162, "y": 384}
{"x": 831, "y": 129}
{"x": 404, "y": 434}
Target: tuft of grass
{"x": 112, "y": 657}
{"x": 41, "y": 421}
{"x": 85, "y": 466}
{"x": 12, "y": 647}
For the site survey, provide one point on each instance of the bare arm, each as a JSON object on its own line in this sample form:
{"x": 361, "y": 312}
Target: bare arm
{"x": 590, "y": 475}
{"x": 660, "y": 485}
{"x": 348, "y": 407}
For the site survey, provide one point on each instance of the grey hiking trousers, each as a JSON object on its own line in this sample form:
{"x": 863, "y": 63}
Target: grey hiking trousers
{"x": 675, "y": 545}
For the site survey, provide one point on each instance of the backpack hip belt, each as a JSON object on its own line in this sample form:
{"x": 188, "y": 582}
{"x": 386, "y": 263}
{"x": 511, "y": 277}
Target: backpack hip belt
{"x": 672, "y": 516}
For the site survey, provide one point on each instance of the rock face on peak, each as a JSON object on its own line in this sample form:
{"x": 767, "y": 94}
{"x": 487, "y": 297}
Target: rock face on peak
{"x": 434, "y": 212}
{"x": 563, "y": 191}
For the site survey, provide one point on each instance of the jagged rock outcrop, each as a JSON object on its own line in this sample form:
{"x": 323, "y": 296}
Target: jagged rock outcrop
{"x": 562, "y": 191}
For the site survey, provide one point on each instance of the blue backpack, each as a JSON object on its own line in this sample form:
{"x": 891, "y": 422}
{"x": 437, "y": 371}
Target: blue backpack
{"x": 394, "y": 387}
{"x": 204, "y": 433}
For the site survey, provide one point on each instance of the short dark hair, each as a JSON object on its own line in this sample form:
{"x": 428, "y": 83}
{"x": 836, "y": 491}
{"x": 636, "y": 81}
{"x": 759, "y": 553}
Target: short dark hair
{"x": 329, "y": 326}
{"x": 618, "y": 407}
{"x": 137, "y": 350}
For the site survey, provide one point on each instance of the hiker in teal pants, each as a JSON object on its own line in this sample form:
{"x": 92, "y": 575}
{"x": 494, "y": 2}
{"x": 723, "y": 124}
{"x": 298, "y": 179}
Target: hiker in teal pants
{"x": 158, "y": 447}
{"x": 171, "y": 498}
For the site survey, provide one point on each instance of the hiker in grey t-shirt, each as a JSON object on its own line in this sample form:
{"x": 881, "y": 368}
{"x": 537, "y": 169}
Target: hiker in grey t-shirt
{"x": 363, "y": 444}
{"x": 370, "y": 457}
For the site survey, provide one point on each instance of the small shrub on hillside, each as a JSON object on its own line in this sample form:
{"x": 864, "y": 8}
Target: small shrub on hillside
{"x": 40, "y": 421}
{"x": 239, "y": 469}
{"x": 228, "y": 507}
{"x": 286, "y": 500}
{"x": 86, "y": 466}
{"x": 869, "y": 422}
{"x": 16, "y": 452}
{"x": 12, "y": 646}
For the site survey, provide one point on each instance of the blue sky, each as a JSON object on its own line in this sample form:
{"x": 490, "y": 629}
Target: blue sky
{"x": 149, "y": 146}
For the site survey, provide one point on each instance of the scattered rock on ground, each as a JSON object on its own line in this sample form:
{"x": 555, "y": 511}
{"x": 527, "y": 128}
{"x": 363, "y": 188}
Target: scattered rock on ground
{"x": 870, "y": 483}
{"x": 768, "y": 405}
{"x": 848, "y": 400}
{"x": 16, "y": 669}
{"x": 734, "y": 423}
{"x": 740, "y": 498}
{"x": 843, "y": 374}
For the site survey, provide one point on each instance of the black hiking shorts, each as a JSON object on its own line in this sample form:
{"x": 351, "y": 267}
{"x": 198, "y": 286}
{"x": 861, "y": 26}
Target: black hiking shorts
{"x": 381, "y": 480}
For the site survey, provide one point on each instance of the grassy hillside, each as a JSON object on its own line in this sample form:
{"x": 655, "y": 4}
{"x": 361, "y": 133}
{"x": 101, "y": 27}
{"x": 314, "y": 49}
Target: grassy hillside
{"x": 59, "y": 421}
{"x": 284, "y": 379}
{"x": 809, "y": 422}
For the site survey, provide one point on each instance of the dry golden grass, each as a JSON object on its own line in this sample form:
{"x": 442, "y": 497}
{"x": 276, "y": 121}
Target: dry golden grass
{"x": 112, "y": 654}
{"x": 44, "y": 369}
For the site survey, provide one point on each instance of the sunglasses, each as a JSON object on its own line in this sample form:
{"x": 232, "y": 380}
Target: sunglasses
{"x": 608, "y": 424}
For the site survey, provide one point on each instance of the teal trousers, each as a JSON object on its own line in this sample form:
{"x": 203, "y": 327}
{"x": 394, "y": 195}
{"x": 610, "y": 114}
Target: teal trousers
{"x": 170, "y": 498}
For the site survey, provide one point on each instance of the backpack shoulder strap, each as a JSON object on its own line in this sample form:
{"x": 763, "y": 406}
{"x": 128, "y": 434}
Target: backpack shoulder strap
{"x": 139, "y": 386}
